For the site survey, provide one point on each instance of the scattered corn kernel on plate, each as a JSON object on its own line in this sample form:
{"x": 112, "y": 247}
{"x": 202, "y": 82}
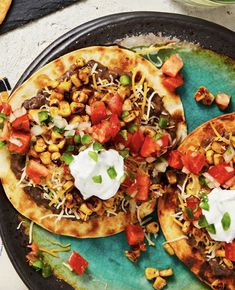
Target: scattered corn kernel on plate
{"x": 207, "y": 51}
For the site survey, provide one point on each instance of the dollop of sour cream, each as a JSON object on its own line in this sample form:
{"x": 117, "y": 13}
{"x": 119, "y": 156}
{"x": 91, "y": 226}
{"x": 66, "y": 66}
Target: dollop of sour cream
{"x": 221, "y": 211}
{"x": 97, "y": 173}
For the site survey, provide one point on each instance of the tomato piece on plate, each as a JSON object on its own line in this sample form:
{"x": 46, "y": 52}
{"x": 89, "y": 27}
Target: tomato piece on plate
{"x": 19, "y": 142}
{"x": 221, "y": 172}
{"x": 5, "y": 108}
{"x": 134, "y": 235}
{"x": 21, "y": 123}
{"x": 230, "y": 251}
{"x": 164, "y": 141}
{"x": 172, "y": 83}
{"x": 175, "y": 159}
{"x": 98, "y": 112}
{"x": 106, "y": 129}
{"x": 36, "y": 171}
{"x": 172, "y": 65}
{"x": 143, "y": 185}
{"x": 193, "y": 204}
{"x": 149, "y": 147}
{"x": 137, "y": 141}
{"x": 194, "y": 161}
{"x": 77, "y": 263}
{"x": 115, "y": 104}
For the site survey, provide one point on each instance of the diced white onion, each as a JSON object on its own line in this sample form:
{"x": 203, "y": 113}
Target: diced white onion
{"x": 20, "y": 112}
{"x": 161, "y": 166}
{"x": 71, "y": 126}
{"x": 60, "y": 122}
{"x": 37, "y": 130}
{"x": 69, "y": 133}
{"x": 15, "y": 141}
{"x": 212, "y": 182}
{"x": 84, "y": 125}
{"x": 229, "y": 154}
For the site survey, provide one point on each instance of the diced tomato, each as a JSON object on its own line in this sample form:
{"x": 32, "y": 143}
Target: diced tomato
{"x": 23, "y": 139}
{"x": 221, "y": 172}
{"x": 5, "y": 108}
{"x": 137, "y": 141}
{"x": 127, "y": 182}
{"x": 77, "y": 263}
{"x": 36, "y": 171}
{"x": 172, "y": 65}
{"x": 106, "y": 129}
{"x": 21, "y": 123}
{"x": 149, "y": 147}
{"x": 115, "y": 104}
{"x": 175, "y": 159}
{"x": 132, "y": 189}
{"x": 98, "y": 112}
{"x": 194, "y": 161}
{"x": 193, "y": 204}
{"x": 230, "y": 251}
{"x": 229, "y": 183}
{"x": 143, "y": 184}
{"x": 134, "y": 235}
{"x": 5, "y": 132}
{"x": 172, "y": 83}
{"x": 165, "y": 140}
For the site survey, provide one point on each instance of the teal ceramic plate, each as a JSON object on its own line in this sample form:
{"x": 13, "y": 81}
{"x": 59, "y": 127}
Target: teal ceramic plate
{"x": 108, "y": 267}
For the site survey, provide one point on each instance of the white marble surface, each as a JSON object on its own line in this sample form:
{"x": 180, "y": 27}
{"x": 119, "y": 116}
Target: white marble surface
{"x": 18, "y": 49}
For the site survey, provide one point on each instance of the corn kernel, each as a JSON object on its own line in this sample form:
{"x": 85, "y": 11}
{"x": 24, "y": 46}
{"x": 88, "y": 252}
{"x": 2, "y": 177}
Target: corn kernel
{"x": 130, "y": 117}
{"x": 169, "y": 249}
{"x": 220, "y": 253}
{"x": 166, "y": 272}
{"x": 45, "y": 157}
{"x": 61, "y": 144}
{"x": 76, "y": 119}
{"x": 84, "y": 208}
{"x": 159, "y": 283}
{"x": 65, "y": 86}
{"x": 80, "y": 62}
{"x": 76, "y": 107}
{"x": 186, "y": 227}
{"x": 232, "y": 139}
{"x": 218, "y": 147}
{"x": 84, "y": 74}
{"x": 55, "y": 156}
{"x": 56, "y": 95}
{"x": 151, "y": 273}
{"x": 218, "y": 158}
{"x": 53, "y": 84}
{"x": 53, "y": 148}
{"x": 217, "y": 284}
{"x": 40, "y": 145}
{"x": 54, "y": 111}
{"x": 56, "y": 136}
{"x": 209, "y": 156}
{"x": 33, "y": 115}
{"x": 150, "y": 132}
{"x": 75, "y": 80}
{"x": 54, "y": 103}
{"x": 127, "y": 106}
{"x": 152, "y": 228}
{"x": 64, "y": 109}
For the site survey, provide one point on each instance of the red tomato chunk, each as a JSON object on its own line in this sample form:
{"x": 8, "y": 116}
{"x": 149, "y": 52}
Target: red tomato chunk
{"x": 230, "y": 251}
{"x": 98, "y": 112}
{"x": 36, "y": 171}
{"x": 77, "y": 263}
{"x": 175, "y": 159}
{"x": 221, "y": 172}
{"x": 21, "y": 123}
{"x": 134, "y": 235}
{"x": 194, "y": 161}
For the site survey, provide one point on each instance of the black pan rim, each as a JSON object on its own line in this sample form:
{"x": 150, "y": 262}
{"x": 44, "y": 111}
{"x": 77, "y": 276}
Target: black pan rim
{"x": 65, "y": 40}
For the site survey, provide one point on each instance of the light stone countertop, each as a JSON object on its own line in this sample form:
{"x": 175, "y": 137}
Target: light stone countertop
{"x": 19, "y": 47}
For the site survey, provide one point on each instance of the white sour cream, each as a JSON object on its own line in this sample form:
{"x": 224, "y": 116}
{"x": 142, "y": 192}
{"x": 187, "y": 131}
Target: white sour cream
{"x": 85, "y": 169}
{"x": 221, "y": 201}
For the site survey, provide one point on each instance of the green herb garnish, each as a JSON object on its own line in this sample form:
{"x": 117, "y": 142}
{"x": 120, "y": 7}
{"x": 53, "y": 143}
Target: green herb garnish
{"x": 202, "y": 180}
{"x": 2, "y": 144}
{"x": 125, "y": 80}
{"x": 202, "y": 222}
{"x": 97, "y": 146}
{"x": 86, "y": 139}
{"x": 67, "y": 158}
{"x": 163, "y": 121}
{"x": 211, "y": 229}
{"x": 58, "y": 130}
{"x": 124, "y": 114}
{"x": 124, "y": 135}
{"x": 43, "y": 116}
{"x": 37, "y": 265}
{"x": 93, "y": 155}
{"x": 189, "y": 212}
{"x": 132, "y": 128}
{"x": 112, "y": 172}
{"x": 97, "y": 179}
{"x": 204, "y": 202}
{"x": 70, "y": 148}
{"x": 226, "y": 221}
{"x": 77, "y": 139}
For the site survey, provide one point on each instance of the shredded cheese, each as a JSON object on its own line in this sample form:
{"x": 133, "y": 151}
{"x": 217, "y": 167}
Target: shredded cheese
{"x": 154, "y": 48}
{"x": 67, "y": 266}
{"x": 175, "y": 240}
{"x": 144, "y": 98}
{"x": 221, "y": 138}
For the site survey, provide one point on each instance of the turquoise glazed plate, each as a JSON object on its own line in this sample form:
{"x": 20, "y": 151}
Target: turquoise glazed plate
{"x": 108, "y": 267}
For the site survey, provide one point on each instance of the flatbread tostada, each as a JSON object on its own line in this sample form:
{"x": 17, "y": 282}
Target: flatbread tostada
{"x": 60, "y": 128}
{"x": 197, "y": 215}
